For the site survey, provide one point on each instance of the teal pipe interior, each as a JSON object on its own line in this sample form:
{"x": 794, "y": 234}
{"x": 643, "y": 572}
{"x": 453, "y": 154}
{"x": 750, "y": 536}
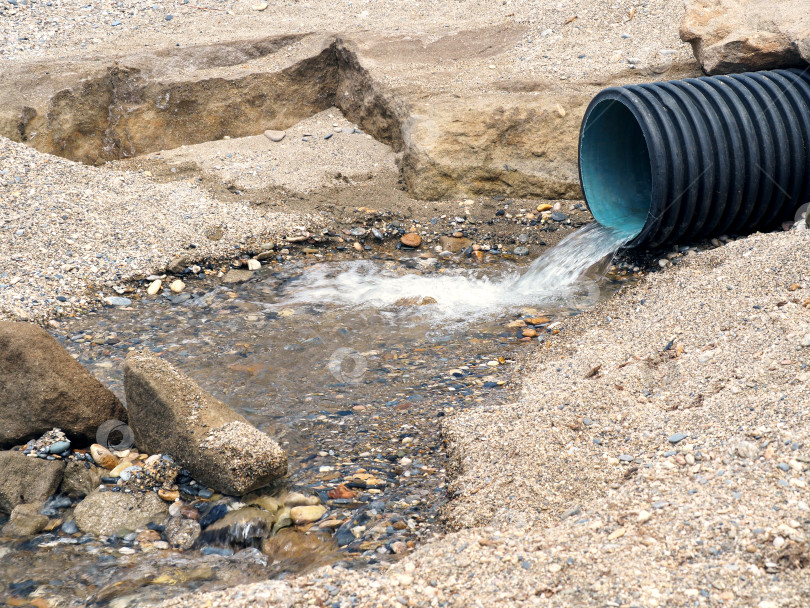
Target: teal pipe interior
{"x": 615, "y": 168}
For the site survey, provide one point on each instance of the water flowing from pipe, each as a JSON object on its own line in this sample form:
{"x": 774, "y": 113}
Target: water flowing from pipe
{"x": 559, "y": 278}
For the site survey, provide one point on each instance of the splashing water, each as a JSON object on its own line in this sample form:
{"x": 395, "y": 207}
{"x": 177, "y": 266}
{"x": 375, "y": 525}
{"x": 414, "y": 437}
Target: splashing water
{"x": 556, "y": 279}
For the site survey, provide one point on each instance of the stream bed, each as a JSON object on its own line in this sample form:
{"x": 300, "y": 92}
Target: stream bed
{"x": 350, "y": 365}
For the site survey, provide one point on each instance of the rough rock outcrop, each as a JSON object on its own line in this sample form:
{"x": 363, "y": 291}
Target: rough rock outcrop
{"x": 745, "y": 35}
{"x": 525, "y": 145}
{"x": 170, "y": 414}
{"x": 25, "y": 480}
{"x": 42, "y": 387}
{"x": 520, "y": 144}
{"x": 106, "y": 513}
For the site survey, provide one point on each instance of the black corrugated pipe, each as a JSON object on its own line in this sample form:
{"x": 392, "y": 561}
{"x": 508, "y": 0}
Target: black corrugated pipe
{"x": 690, "y": 159}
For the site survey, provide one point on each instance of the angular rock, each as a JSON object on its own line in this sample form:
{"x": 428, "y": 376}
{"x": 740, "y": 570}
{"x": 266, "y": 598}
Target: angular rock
{"x": 105, "y": 513}
{"x": 42, "y": 387}
{"x": 170, "y": 414}
{"x": 79, "y": 480}
{"x": 178, "y": 265}
{"x": 493, "y": 145}
{"x": 237, "y": 276}
{"x": 26, "y": 520}
{"x": 746, "y": 35}
{"x": 27, "y": 480}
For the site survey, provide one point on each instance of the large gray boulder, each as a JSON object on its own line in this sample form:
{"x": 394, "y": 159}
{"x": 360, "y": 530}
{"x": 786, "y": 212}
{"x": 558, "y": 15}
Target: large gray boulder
{"x": 107, "y": 513}
{"x": 25, "y": 480}
{"x": 170, "y": 414}
{"x": 42, "y": 387}
{"x": 746, "y": 35}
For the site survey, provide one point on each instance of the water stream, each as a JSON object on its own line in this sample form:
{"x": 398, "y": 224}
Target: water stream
{"x": 556, "y": 279}
{"x": 350, "y": 365}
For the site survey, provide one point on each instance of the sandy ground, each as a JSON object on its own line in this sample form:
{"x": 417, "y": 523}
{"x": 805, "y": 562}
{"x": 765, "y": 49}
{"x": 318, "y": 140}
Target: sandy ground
{"x": 70, "y": 234}
{"x": 573, "y": 40}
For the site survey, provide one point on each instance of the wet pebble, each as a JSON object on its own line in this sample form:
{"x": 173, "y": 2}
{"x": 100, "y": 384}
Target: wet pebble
{"x": 117, "y": 301}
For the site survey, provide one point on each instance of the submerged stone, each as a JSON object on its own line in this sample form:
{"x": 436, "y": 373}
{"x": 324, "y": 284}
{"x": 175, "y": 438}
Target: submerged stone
{"x": 170, "y": 413}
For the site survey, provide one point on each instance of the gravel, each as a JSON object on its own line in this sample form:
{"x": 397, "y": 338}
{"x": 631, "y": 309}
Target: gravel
{"x": 302, "y": 161}
{"x": 70, "y": 234}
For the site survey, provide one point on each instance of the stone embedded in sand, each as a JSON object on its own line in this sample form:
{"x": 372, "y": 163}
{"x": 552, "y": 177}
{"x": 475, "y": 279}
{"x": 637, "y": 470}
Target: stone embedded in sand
{"x": 296, "y": 499}
{"x": 26, "y": 520}
{"x": 105, "y": 513}
{"x": 169, "y": 413}
{"x": 304, "y": 550}
{"x": 411, "y": 239}
{"x": 454, "y": 244}
{"x": 182, "y": 533}
{"x": 274, "y": 135}
{"x": 177, "y": 286}
{"x": 80, "y": 480}
{"x": 168, "y": 495}
{"x": 154, "y": 287}
{"x": 117, "y": 301}
{"x": 42, "y": 387}
{"x": 341, "y": 492}
{"x": 237, "y": 276}
{"x": 178, "y": 264}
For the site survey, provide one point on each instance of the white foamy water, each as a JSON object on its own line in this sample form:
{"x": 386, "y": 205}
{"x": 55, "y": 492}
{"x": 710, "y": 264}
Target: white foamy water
{"x": 557, "y": 279}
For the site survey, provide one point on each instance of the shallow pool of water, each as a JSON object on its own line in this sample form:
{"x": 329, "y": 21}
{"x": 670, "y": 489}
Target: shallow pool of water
{"x": 350, "y": 365}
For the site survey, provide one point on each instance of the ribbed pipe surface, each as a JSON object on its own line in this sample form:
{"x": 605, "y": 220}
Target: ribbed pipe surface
{"x": 690, "y": 159}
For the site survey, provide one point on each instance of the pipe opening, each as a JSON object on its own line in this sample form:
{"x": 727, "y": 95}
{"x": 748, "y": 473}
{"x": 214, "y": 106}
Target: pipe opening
{"x": 615, "y": 168}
